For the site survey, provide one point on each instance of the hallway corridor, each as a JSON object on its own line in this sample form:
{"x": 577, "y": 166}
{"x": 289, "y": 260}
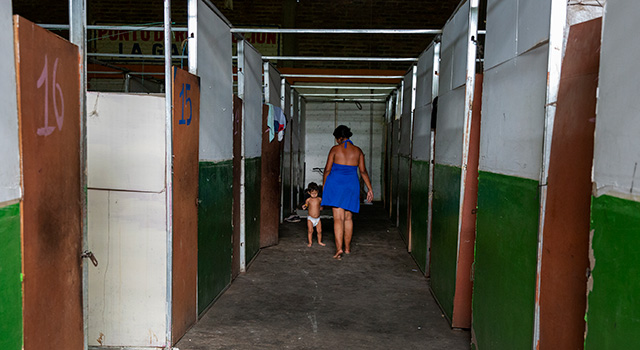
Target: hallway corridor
{"x": 295, "y": 297}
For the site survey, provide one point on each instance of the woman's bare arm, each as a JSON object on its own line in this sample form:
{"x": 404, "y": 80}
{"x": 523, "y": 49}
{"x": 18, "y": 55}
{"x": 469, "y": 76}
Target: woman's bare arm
{"x": 327, "y": 167}
{"x": 365, "y": 177}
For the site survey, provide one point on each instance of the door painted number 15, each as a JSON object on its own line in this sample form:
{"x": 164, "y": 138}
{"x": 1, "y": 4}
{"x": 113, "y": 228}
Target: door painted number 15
{"x": 183, "y": 95}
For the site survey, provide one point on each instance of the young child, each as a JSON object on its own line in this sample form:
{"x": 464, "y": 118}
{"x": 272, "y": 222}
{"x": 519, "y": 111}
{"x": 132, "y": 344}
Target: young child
{"x": 313, "y": 220}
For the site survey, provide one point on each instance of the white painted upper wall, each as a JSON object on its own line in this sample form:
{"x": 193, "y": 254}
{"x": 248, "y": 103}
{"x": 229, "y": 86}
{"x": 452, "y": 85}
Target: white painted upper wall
{"x": 289, "y": 128}
{"x": 367, "y": 126}
{"x": 451, "y": 94}
{"x": 453, "y": 66}
{"x": 126, "y": 141}
{"x": 406, "y": 92}
{"x": 295, "y": 118}
{"x": 303, "y": 141}
{"x": 514, "y": 27}
{"x": 422, "y": 116}
{"x": 274, "y": 85}
{"x": 512, "y": 125}
{"x": 533, "y": 23}
{"x": 251, "y": 73}
{"x": 449, "y": 128}
{"x": 456, "y": 32}
{"x": 501, "y": 38}
{"x": 422, "y": 133}
{"x": 424, "y": 83}
{"x": 617, "y": 144}
{"x": 515, "y": 87}
{"x": 320, "y": 123}
{"x": 295, "y": 140}
{"x": 405, "y": 119}
{"x": 216, "y": 86}
{"x": 10, "y": 189}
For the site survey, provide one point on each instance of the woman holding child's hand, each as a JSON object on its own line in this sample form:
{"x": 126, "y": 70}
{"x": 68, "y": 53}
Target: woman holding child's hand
{"x": 341, "y": 188}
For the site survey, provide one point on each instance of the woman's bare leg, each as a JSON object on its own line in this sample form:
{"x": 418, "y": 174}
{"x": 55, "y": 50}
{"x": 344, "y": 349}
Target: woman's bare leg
{"x": 338, "y": 230}
{"x": 348, "y": 231}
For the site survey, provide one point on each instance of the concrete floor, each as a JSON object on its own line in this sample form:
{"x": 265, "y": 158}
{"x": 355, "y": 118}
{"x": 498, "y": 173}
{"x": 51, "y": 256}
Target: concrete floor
{"x": 295, "y": 297}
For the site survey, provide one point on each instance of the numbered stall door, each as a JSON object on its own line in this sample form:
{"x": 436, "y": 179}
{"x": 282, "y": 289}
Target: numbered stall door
{"x": 185, "y": 140}
{"x": 565, "y": 254}
{"x": 269, "y": 186}
{"x": 49, "y": 113}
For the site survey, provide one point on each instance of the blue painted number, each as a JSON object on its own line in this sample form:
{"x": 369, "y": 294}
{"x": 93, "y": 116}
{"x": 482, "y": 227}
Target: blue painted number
{"x": 183, "y": 94}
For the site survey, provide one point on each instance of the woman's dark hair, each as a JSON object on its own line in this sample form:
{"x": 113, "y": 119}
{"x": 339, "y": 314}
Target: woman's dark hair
{"x": 313, "y": 187}
{"x": 342, "y": 131}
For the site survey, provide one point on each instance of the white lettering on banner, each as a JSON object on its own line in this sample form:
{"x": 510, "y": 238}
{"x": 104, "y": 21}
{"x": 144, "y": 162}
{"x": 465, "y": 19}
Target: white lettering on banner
{"x": 268, "y": 44}
{"x": 136, "y": 42}
{"x": 152, "y": 42}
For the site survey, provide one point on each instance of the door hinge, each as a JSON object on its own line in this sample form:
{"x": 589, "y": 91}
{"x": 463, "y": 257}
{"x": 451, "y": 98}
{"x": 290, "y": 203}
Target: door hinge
{"x": 89, "y": 254}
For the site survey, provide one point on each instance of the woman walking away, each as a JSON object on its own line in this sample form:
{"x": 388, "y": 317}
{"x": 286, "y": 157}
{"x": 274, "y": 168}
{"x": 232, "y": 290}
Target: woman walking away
{"x": 341, "y": 189}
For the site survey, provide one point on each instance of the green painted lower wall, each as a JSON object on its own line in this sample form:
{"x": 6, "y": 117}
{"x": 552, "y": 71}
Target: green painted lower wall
{"x": 394, "y": 189}
{"x": 252, "y": 171}
{"x": 10, "y": 284}
{"x": 444, "y": 234}
{"x": 403, "y": 196}
{"x": 419, "y": 212}
{"x": 505, "y": 262}
{"x": 614, "y": 302}
{"x": 214, "y": 230}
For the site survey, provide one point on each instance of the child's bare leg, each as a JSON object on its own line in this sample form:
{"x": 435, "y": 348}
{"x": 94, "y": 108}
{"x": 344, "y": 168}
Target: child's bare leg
{"x": 338, "y": 226}
{"x": 319, "y": 229}
{"x": 309, "y": 232}
{"x": 348, "y": 231}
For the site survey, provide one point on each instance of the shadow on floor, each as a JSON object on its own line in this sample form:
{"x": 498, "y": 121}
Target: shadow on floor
{"x": 296, "y": 297}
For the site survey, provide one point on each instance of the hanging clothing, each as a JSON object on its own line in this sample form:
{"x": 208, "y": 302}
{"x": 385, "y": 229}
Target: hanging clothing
{"x": 276, "y": 121}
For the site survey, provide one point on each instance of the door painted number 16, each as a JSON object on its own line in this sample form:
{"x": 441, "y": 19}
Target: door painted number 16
{"x": 183, "y": 95}
{"x": 43, "y": 80}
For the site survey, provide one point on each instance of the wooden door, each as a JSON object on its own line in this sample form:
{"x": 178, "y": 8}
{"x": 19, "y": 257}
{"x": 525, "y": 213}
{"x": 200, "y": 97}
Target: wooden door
{"x": 464, "y": 284}
{"x": 269, "y": 186}
{"x": 48, "y": 79}
{"x": 185, "y": 142}
{"x": 565, "y": 254}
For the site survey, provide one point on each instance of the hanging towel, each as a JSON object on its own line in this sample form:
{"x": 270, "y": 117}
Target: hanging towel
{"x": 276, "y": 121}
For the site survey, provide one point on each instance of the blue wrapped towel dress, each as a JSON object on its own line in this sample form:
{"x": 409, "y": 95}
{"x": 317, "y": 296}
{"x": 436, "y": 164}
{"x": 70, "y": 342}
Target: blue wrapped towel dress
{"x": 342, "y": 188}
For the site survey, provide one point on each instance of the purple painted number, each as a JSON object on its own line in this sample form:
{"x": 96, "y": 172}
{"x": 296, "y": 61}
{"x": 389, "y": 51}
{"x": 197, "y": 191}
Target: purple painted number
{"x": 44, "y": 80}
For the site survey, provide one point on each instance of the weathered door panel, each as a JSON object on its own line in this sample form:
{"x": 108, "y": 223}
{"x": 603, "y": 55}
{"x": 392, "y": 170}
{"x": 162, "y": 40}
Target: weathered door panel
{"x": 464, "y": 283}
{"x": 565, "y": 254}
{"x": 48, "y": 103}
{"x": 185, "y": 140}
{"x": 269, "y": 187}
